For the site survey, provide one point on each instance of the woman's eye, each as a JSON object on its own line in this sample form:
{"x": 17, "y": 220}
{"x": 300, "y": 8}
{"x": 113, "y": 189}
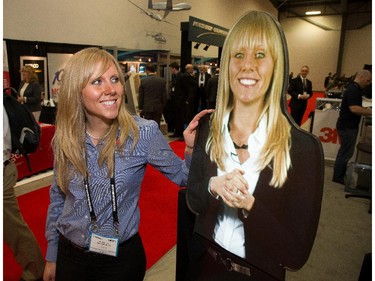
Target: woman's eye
{"x": 96, "y": 82}
{"x": 260, "y": 55}
{"x": 238, "y": 55}
{"x": 115, "y": 79}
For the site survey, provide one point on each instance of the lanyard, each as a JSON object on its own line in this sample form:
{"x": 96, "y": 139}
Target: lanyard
{"x": 94, "y": 224}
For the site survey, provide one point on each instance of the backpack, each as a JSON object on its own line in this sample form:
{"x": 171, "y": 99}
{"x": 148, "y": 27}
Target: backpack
{"x": 25, "y": 131}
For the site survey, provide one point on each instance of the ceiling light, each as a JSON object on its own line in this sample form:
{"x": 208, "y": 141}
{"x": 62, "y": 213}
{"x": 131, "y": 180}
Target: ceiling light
{"x": 206, "y": 47}
{"x": 313, "y": 13}
{"x": 197, "y": 46}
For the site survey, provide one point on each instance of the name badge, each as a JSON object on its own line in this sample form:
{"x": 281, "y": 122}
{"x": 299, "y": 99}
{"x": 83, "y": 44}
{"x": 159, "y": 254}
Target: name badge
{"x": 103, "y": 245}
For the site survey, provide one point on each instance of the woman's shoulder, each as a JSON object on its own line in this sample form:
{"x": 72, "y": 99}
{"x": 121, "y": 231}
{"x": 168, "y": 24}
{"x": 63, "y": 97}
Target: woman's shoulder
{"x": 304, "y": 141}
{"x": 145, "y": 125}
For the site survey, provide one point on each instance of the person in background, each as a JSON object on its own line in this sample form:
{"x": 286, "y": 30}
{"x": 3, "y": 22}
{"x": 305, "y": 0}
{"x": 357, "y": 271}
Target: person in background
{"x": 257, "y": 200}
{"x": 30, "y": 91}
{"x": 290, "y": 77}
{"x": 327, "y": 80}
{"x": 300, "y": 90}
{"x": 100, "y": 157}
{"x": 152, "y": 95}
{"x": 348, "y": 122}
{"x": 201, "y": 94}
{"x": 190, "y": 87}
{"x": 212, "y": 85}
{"x": 17, "y": 234}
{"x": 179, "y": 97}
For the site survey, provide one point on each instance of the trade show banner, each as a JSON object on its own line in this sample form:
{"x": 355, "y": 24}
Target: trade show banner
{"x": 56, "y": 64}
{"x": 39, "y": 64}
{"x": 6, "y": 77}
{"x": 324, "y": 126}
{"x": 205, "y": 32}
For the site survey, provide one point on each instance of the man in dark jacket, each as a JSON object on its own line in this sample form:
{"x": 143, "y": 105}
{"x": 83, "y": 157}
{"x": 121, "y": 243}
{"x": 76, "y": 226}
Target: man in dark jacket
{"x": 348, "y": 122}
{"x": 212, "y": 89}
{"x": 152, "y": 95}
{"x": 179, "y": 98}
{"x": 300, "y": 90}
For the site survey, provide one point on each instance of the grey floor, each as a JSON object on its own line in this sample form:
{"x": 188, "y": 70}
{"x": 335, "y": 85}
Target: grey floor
{"x": 343, "y": 238}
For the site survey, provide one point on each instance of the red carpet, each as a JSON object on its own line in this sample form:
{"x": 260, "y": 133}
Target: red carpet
{"x": 158, "y": 228}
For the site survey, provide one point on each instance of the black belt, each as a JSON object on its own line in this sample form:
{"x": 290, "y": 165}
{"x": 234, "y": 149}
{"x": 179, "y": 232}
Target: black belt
{"x": 228, "y": 263}
{"x": 70, "y": 245}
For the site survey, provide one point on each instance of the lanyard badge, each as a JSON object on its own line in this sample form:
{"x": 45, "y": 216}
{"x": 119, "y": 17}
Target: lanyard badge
{"x": 101, "y": 244}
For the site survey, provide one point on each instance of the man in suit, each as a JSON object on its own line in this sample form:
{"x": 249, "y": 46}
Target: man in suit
{"x": 152, "y": 95}
{"x": 201, "y": 97}
{"x": 179, "y": 98}
{"x": 190, "y": 87}
{"x": 300, "y": 89}
{"x": 212, "y": 89}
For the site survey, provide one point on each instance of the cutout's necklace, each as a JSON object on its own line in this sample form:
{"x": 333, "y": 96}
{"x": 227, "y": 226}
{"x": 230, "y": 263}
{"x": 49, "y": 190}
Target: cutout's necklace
{"x": 244, "y": 146}
{"x": 236, "y": 146}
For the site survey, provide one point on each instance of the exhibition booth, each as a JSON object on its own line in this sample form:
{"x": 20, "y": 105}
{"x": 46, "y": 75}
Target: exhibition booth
{"x": 324, "y": 125}
{"x": 42, "y": 159}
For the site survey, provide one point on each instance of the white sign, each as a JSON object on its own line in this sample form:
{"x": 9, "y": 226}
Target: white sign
{"x": 56, "y": 64}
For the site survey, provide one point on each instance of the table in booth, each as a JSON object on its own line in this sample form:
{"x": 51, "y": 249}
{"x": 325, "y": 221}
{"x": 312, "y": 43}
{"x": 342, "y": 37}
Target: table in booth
{"x": 326, "y": 113}
{"x": 41, "y": 159}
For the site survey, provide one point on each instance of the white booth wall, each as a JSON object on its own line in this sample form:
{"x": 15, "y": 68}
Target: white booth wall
{"x": 119, "y": 23}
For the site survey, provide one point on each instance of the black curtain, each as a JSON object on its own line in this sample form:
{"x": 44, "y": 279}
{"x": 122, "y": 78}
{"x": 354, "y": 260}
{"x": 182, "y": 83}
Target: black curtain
{"x": 18, "y": 48}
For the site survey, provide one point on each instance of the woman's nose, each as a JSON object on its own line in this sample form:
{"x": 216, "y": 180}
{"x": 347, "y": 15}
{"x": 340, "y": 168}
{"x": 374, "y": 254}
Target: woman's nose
{"x": 109, "y": 89}
{"x": 249, "y": 63}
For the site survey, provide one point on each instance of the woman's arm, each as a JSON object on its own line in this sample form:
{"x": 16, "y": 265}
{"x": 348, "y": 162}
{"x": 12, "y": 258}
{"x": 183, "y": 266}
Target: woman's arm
{"x": 36, "y": 93}
{"x": 57, "y": 199}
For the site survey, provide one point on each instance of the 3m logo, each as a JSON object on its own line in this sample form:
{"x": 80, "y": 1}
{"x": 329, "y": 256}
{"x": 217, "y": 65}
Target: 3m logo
{"x": 330, "y": 135}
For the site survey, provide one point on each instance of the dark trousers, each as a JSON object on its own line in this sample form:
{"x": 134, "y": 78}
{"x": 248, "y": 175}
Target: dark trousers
{"x": 156, "y": 116}
{"x": 74, "y": 263}
{"x": 200, "y": 100}
{"x": 348, "y": 140}
{"x": 203, "y": 266}
{"x": 297, "y": 113}
{"x": 180, "y": 110}
{"x": 190, "y": 110}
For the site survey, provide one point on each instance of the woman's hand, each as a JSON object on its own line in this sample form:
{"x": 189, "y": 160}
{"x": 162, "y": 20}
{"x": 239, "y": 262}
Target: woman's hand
{"x": 21, "y": 99}
{"x": 190, "y": 131}
{"x": 49, "y": 271}
{"x": 233, "y": 190}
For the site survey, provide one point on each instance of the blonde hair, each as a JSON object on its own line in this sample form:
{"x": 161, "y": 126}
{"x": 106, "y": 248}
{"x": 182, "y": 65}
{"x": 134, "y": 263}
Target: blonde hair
{"x": 69, "y": 140}
{"x": 29, "y": 69}
{"x": 251, "y": 29}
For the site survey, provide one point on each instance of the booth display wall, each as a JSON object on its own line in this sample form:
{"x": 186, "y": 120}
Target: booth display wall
{"x": 324, "y": 125}
{"x": 19, "y": 48}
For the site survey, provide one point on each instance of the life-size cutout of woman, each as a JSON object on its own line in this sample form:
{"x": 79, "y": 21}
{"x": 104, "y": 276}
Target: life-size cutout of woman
{"x": 256, "y": 180}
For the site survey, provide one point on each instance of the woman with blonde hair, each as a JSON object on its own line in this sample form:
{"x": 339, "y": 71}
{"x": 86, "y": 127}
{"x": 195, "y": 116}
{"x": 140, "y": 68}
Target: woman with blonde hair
{"x": 255, "y": 182}
{"x": 30, "y": 91}
{"x": 101, "y": 153}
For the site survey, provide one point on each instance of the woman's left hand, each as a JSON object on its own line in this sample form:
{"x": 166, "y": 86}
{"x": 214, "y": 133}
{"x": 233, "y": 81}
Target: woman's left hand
{"x": 190, "y": 131}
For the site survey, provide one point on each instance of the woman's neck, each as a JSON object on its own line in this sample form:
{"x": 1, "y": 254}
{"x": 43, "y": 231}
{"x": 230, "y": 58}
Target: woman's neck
{"x": 244, "y": 119}
{"x": 97, "y": 131}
